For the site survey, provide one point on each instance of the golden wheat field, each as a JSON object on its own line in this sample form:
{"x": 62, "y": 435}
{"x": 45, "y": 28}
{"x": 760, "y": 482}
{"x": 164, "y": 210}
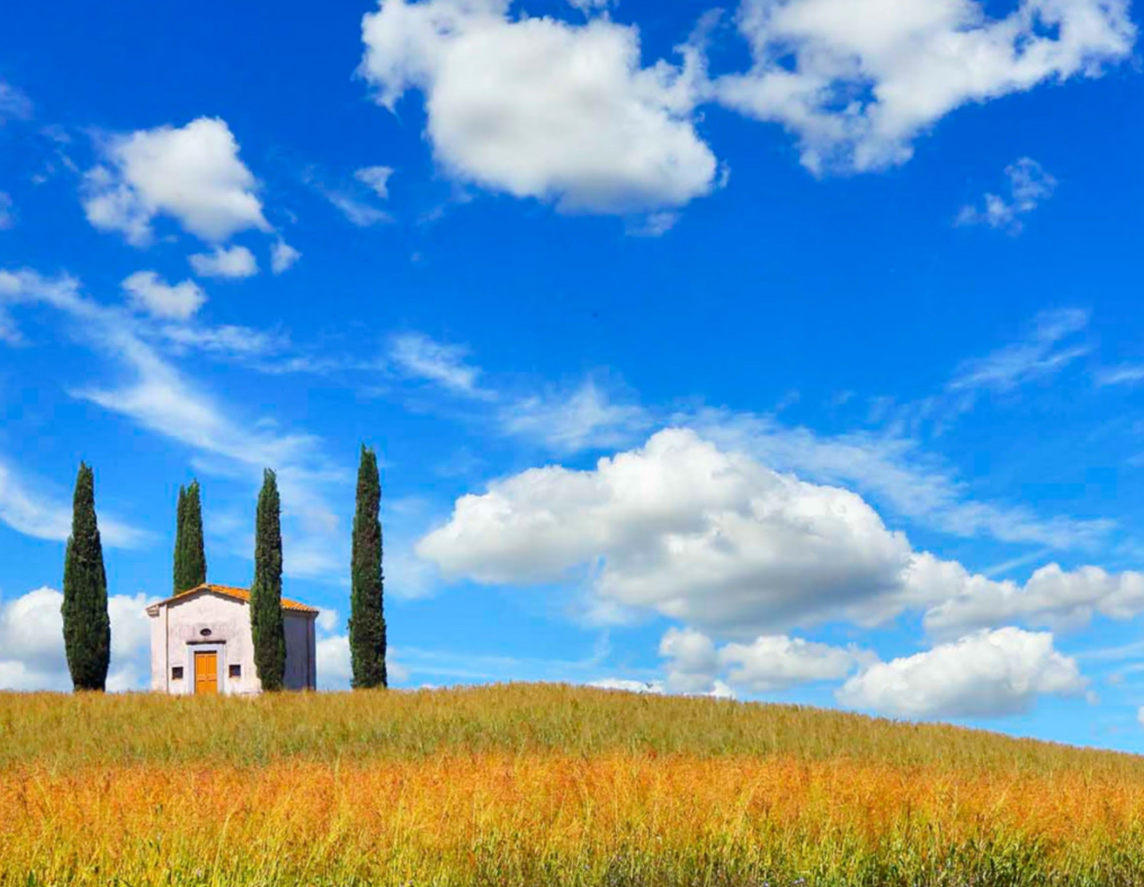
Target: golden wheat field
{"x": 543, "y": 785}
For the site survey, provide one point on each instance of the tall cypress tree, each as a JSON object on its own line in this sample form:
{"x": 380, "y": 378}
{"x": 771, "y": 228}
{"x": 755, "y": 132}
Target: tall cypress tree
{"x": 87, "y": 625}
{"x": 194, "y": 553}
{"x": 367, "y": 614}
{"x": 266, "y": 622}
{"x": 190, "y": 556}
{"x": 181, "y": 542}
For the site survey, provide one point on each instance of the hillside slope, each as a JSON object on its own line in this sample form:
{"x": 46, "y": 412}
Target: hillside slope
{"x": 544, "y": 784}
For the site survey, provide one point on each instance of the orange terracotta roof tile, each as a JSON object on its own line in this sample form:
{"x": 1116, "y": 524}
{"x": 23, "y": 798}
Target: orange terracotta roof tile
{"x": 242, "y": 594}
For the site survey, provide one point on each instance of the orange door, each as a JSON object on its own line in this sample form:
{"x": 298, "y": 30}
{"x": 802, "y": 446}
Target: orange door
{"x": 206, "y": 672}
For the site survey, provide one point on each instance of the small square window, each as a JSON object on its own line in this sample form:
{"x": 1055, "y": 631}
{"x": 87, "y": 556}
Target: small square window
{"x": 236, "y": 671}
{"x": 177, "y": 673}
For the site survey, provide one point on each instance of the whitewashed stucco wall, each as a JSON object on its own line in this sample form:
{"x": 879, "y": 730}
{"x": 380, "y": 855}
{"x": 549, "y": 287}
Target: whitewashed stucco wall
{"x": 158, "y": 650}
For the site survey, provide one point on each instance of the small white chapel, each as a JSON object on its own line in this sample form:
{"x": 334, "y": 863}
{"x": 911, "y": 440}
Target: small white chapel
{"x": 201, "y": 643}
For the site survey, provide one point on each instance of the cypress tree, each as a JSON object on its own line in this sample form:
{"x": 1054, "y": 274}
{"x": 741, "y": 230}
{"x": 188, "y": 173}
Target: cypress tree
{"x": 180, "y": 542}
{"x": 367, "y": 614}
{"x": 194, "y": 553}
{"x": 87, "y": 625}
{"x": 266, "y": 622}
{"x": 190, "y": 558}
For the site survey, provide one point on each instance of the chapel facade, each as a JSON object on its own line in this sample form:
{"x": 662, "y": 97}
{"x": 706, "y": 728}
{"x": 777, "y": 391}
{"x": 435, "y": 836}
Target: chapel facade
{"x": 201, "y": 643}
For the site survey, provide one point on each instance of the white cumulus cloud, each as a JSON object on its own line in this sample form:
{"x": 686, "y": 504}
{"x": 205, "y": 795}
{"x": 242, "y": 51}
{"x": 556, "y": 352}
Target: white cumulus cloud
{"x": 232, "y": 262}
{"x": 777, "y": 662}
{"x": 283, "y": 256}
{"x": 626, "y": 685}
{"x": 710, "y": 538}
{"x": 1052, "y": 598}
{"x": 720, "y": 542}
{"x": 717, "y": 690}
{"x": 150, "y": 293}
{"x": 191, "y": 173}
{"x": 335, "y": 666}
{"x": 987, "y": 674}
{"x": 537, "y": 107}
{"x": 693, "y": 660}
{"x": 767, "y": 664}
{"x": 32, "y": 643}
{"x": 858, "y": 80}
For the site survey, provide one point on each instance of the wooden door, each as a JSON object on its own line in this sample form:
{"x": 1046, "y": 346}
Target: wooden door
{"x": 206, "y": 672}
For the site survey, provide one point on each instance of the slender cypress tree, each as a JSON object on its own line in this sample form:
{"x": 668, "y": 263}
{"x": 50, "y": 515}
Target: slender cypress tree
{"x": 367, "y": 598}
{"x": 87, "y": 625}
{"x": 266, "y": 593}
{"x": 194, "y": 554}
{"x": 180, "y": 542}
{"x": 190, "y": 557}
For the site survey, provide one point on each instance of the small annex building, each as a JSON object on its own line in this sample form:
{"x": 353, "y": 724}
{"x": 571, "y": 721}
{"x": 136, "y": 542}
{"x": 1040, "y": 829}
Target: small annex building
{"x": 201, "y": 642}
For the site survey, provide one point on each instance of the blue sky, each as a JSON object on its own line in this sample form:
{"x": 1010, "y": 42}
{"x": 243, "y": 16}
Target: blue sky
{"x": 788, "y": 351}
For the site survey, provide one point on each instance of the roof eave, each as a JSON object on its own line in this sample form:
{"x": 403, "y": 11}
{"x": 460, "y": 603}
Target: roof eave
{"x": 222, "y": 591}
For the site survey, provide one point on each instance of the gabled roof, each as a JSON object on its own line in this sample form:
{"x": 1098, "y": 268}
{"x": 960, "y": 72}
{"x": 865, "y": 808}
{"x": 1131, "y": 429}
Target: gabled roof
{"x": 238, "y": 594}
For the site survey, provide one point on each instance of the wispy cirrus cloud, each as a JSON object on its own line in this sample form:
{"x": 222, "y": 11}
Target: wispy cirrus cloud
{"x": 1051, "y": 345}
{"x": 455, "y": 665}
{"x": 14, "y": 103}
{"x": 562, "y": 419}
{"x": 1125, "y": 374}
{"x": 574, "y": 419}
{"x": 1048, "y": 348}
{"x": 240, "y": 342}
{"x": 31, "y": 509}
{"x": 418, "y": 356}
{"x": 356, "y": 199}
{"x": 7, "y": 211}
{"x": 1028, "y": 185}
{"x": 897, "y": 472}
{"x": 161, "y": 399}
{"x": 357, "y": 211}
{"x": 376, "y": 178}
{"x": 892, "y": 466}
